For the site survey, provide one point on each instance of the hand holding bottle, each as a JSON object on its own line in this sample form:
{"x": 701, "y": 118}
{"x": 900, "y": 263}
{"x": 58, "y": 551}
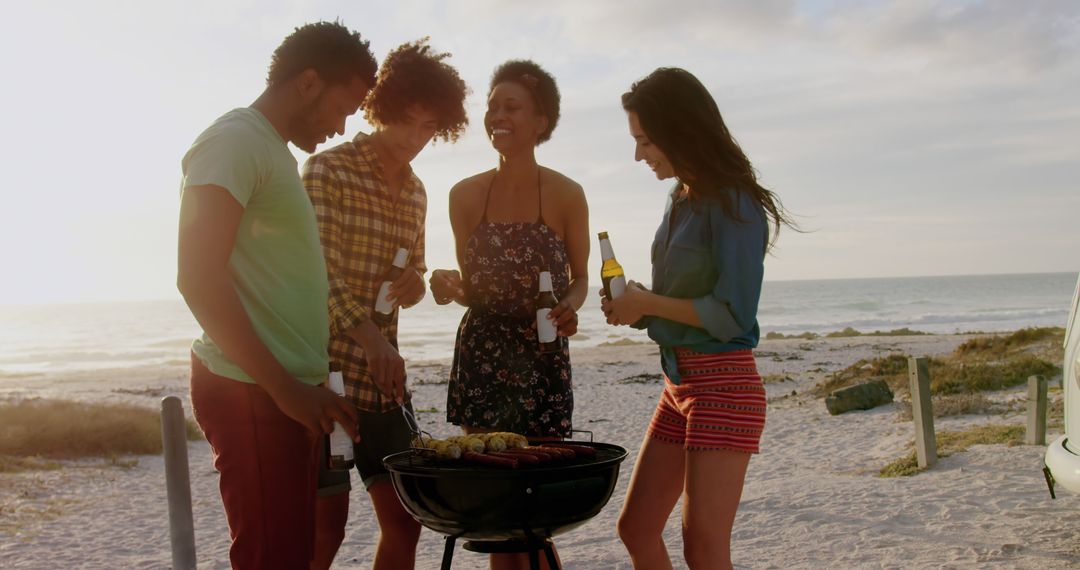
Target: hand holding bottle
{"x": 316, "y": 408}
{"x": 385, "y": 302}
{"x": 408, "y": 289}
{"x": 565, "y": 318}
{"x": 446, "y": 286}
{"x": 629, "y": 308}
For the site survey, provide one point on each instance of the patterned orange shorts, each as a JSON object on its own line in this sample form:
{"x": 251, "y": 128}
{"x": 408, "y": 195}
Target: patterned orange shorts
{"x": 719, "y": 403}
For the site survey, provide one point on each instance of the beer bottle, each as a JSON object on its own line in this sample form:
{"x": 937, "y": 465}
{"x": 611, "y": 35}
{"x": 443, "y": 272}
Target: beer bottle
{"x": 339, "y": 447}
{"x": 384, "y": 308}
{"x": 611, "y": 273}
{"x": 545, "y": 328}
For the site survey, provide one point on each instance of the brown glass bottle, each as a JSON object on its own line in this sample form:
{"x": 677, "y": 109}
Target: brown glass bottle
{"x": 545, "y": 328}
{"x": 339, "y": 448}
{"x": 384, "y": 308}
{"x": 611, "y": 273}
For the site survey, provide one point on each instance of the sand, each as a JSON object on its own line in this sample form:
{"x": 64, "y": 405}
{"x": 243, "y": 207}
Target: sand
{"x": 812, "y": 498}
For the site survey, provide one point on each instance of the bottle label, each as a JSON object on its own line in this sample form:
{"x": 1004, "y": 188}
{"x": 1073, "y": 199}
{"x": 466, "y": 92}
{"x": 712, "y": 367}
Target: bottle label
{"x": 545, "y": 328}
{"x": 341, "y": 447}
{"x": 617, "y": 286}
{"x": 382, "y": 304}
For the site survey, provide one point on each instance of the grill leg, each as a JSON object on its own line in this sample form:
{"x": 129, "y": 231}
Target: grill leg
{"x": 549, "y": 552}
{"x": 448, "y": 552}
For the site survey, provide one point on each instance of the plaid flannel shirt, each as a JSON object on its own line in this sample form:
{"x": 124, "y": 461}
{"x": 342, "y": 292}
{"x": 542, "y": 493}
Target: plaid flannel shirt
{"x": 361, "y": 228}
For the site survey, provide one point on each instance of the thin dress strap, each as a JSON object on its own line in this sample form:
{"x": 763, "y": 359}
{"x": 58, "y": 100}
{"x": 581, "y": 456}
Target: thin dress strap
{"x": 483, "y": 219}
{"x": 539, "y": 198}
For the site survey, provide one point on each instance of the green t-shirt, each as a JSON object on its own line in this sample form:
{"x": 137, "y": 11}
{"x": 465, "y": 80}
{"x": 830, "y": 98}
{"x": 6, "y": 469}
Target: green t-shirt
{"x": 277, "y": 262}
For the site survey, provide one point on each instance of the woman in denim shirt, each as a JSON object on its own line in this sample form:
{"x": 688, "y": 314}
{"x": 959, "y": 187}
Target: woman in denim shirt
{"x": 702, "y": 311}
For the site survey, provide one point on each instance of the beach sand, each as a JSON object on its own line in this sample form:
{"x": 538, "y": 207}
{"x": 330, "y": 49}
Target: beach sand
{"x": 812, "y": 497}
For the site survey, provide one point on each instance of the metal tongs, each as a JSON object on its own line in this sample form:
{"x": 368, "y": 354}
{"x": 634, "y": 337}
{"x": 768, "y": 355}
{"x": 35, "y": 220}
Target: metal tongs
{"x": 414, "y": 427}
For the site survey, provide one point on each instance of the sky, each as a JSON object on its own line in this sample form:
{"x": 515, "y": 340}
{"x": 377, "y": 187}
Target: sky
{"x": 907, "y": 137}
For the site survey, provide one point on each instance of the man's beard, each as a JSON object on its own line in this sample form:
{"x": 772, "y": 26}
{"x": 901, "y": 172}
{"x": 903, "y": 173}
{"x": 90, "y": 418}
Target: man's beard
{"x": 305, "y": 138}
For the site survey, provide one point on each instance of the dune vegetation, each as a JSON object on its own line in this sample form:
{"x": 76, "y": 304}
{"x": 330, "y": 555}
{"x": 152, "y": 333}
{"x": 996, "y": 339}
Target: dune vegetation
{"x": 949, "y": 442}
{"x": 983, "y": 363}
{"x": 37, "y": 433}
{"x": 963, "y": 383}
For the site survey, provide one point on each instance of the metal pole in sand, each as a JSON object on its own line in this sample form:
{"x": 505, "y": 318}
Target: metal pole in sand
{"x": 1036, "y": 411}
{"x": 922, "y": 412}
{"x": 178, "y": 483}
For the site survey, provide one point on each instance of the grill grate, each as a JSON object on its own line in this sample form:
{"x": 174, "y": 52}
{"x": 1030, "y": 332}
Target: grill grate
{"x": 418, "y": 458}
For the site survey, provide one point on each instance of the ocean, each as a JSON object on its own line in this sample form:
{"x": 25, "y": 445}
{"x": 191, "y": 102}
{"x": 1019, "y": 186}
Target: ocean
{"x": 37, "y": 339}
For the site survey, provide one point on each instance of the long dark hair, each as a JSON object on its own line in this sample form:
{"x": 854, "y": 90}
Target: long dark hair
{"x": 680, "y": 117}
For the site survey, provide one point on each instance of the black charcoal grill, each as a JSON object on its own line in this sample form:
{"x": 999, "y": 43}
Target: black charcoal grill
{"x": 504, "y": 510}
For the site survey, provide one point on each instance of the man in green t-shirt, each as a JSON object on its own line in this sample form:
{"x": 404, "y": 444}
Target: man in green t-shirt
{"x": 252, "y": 272}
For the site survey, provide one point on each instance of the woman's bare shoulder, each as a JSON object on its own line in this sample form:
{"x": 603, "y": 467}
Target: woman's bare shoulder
{"x": 565, "y": 186}
{"x": 469, "y": 188}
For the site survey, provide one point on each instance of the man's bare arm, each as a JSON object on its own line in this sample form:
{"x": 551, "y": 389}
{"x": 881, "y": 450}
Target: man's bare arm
{"x": 209, "y": 218}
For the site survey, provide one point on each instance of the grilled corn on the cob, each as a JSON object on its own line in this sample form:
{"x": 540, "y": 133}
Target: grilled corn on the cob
{"x": 492, "y": 441}
{"x": 444, "y": 449}
{"x": 468, "y": 443}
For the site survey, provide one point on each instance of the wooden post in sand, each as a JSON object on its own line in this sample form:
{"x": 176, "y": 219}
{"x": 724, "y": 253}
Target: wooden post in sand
{"x": 178, "y": 483}
{"x": 922, "y": 412}
{"x": 1036, "y": 411}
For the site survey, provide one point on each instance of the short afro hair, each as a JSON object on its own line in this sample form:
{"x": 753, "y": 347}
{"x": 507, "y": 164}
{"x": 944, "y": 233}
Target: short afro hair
{"x": 536, "y": 81}
{"x": 414, "y": 74}
{"x": 335, "y": 53}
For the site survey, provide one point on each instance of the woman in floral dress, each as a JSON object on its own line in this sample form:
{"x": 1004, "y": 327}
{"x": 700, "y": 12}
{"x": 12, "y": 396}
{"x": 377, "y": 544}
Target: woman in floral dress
{"x": 510, "y": 223}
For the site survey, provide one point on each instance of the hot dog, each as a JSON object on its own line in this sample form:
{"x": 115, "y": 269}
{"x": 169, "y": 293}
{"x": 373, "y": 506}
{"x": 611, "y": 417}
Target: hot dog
{"x": 492, "y": 460}
{"x": 543, "y": 456}
{"x": 521, "y": 458}
{"x": 560, "y": 451}
{"x": 582, "y": 450}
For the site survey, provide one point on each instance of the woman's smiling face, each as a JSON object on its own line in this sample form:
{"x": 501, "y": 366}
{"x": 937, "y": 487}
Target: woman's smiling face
{"x": 512, "y": 119}
{"x": 644, "y": 149}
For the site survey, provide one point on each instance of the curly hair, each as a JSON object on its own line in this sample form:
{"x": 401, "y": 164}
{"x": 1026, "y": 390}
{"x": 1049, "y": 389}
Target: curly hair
{"x": 535, "y": 80}
{"x": 414, "y": 74}
{"x": 334, "y": 52}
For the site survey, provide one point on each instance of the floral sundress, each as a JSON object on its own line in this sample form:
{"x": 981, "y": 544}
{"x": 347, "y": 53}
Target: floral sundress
{"x": 500, "y": 379}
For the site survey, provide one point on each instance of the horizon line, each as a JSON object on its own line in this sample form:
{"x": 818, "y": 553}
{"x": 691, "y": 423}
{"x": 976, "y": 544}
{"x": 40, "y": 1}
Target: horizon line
{"x": 177, "y": 297}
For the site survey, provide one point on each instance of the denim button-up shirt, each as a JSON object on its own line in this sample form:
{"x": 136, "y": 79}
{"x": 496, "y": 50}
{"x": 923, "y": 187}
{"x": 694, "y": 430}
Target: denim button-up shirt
{"x": 700, "y": 253}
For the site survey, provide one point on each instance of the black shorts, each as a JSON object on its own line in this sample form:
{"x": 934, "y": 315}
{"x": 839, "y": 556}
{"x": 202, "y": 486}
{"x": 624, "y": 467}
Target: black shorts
{"x": 381, "y": 434}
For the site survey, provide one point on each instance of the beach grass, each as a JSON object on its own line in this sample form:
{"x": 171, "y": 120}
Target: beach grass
{"x": 36, "y": 433}
{"x": 774, "y": 378}
{"x": 847, "y": 332}
{"x": 993, "y": 347}
{"x": 980, "y": 364}
{"x": 949, "y": 442}
{"x": 947, "y": 405}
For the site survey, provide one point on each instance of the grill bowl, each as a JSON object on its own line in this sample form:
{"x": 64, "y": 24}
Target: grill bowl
{"x": 478, "y": 502}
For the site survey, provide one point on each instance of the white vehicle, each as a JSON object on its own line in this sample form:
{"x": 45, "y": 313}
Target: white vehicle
{"x": 1063, "y": 456}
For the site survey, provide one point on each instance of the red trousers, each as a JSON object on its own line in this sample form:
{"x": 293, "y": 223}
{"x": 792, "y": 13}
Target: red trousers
{"x": 268, "y": 465}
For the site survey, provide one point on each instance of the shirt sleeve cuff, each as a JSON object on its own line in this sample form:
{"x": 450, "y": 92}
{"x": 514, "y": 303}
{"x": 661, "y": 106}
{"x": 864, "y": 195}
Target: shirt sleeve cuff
{"x": 641, "y": 323}
{"x": 346, "y": 318}
{"x": 716, "y": 318}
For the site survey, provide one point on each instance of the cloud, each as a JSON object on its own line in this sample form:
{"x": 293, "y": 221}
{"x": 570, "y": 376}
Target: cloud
{"x": 1026, "y": 36}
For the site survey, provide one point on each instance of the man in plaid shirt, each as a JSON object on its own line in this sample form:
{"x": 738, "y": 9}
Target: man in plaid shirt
{"x": 369, "y": 203}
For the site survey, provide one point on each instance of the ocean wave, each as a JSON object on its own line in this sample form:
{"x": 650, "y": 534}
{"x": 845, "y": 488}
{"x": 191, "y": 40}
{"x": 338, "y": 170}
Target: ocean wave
{"x": 93, "y": 337}
{"x": 935, "y": 322}
{"x": 862, "y": 306}
{"x": 177, "y": 343}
